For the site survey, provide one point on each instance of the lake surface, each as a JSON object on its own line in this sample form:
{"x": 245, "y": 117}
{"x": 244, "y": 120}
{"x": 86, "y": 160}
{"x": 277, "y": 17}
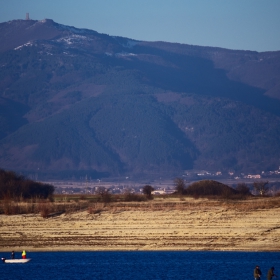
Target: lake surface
{"x": 139, "y": 265}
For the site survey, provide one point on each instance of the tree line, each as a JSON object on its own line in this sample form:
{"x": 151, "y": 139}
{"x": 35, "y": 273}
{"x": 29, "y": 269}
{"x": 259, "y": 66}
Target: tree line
{"x": 206, "y": 188}
{"x": 14, "y": 186}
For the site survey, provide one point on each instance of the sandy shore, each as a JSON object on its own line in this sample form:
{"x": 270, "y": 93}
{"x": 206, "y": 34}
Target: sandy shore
{"x": 189, "y": 225}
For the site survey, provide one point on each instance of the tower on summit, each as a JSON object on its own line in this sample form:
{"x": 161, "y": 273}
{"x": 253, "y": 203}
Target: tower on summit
{"x": 27, "y": 16}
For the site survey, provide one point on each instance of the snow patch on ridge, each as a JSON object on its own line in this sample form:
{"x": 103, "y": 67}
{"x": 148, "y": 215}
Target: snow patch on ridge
{"x": 73, "y": 39}
{"x": 131, "y": 43}
{"x": 127, "y": 43}
{"x": 122, "y": 54}
{"x": 28, "y": 44}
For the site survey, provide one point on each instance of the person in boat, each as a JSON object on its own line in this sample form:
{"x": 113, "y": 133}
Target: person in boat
{"x": 257, "y": 273}
{"x": 23, "y": 254}
{"x": 12, "y": 255}
{"x": 270, "y": 273}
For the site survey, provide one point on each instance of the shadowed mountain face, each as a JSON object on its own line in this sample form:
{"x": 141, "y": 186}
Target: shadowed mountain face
{"x": 73, "y": 100}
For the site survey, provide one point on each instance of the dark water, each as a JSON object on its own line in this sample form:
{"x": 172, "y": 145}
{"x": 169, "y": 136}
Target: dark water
{"x": 140, "y": 265}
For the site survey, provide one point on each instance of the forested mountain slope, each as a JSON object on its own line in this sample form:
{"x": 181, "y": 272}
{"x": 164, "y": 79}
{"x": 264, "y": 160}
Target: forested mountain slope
{"x": 73, "y": 100}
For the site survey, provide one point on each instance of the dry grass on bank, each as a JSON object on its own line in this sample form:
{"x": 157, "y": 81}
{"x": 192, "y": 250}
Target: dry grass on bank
{"x": 94, "y": 205}
{"x": 164, "y": 223}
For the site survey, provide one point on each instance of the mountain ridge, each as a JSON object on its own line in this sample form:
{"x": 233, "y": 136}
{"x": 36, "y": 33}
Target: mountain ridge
{"x": 92, "y": 102}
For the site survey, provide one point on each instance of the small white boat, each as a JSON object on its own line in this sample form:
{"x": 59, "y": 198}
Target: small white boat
{"x": 15, "y": 260}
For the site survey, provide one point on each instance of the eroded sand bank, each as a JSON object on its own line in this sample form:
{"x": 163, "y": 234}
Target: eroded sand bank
{"x": 200, "y": 226}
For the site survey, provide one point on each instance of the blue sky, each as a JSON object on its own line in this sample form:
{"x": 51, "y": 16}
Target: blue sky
{"x": 233, "y": 24}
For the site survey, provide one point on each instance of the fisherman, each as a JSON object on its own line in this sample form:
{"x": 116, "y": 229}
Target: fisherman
{"x": 257, "y": 273}
{"x": 23, "y": 254}
{"x": 13, "y": 255}
{"x": 270, "y": 273}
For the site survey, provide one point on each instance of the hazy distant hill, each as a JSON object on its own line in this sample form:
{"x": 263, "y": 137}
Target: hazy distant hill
{"x": 73, "y": 100}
